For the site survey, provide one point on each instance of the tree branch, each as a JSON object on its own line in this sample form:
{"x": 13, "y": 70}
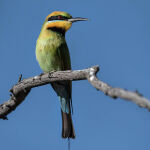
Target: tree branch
{"x": 22, "y": 88}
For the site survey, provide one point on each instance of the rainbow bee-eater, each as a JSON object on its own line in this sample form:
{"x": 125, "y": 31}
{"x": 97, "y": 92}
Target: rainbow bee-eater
{"x": 53, "y": 55}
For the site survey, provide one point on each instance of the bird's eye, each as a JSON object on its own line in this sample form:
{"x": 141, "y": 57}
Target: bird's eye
{"x": 60, "y": 18}
{"x": 57, "y": 18}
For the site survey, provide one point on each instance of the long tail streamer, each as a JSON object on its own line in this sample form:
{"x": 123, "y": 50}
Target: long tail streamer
{"x": 68, "y": 143}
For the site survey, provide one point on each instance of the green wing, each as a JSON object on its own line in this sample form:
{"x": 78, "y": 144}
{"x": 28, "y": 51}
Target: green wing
{"x": 64, "y": 88}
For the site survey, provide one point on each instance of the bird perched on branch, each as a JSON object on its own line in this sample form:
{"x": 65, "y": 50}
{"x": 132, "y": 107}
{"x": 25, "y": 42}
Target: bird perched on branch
{"x": 53, "y": 55}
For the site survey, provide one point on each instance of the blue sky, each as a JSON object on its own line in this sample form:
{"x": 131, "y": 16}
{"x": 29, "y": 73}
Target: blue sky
{"x": 117, "y": 37}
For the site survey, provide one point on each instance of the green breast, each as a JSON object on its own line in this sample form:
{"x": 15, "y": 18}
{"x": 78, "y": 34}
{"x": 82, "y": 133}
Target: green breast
{"x": 52, "y": 52}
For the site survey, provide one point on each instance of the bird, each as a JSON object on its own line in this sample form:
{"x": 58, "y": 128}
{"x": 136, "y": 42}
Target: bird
{"x": 52, "y": 54}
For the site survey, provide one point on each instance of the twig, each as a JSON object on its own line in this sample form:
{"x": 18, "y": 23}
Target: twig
{"x": 22, "y": 88}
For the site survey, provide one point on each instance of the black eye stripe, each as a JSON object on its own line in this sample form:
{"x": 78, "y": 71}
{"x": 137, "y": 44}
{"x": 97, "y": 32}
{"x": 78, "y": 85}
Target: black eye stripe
{"x": 57, "y": 18}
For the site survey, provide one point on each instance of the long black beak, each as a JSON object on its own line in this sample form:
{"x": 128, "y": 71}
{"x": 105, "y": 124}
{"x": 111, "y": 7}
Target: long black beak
{"x": 77, "y": 19}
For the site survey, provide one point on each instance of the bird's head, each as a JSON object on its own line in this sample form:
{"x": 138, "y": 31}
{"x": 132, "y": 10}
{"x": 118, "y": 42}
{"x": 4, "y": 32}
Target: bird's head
{"x": 60, "y": 21}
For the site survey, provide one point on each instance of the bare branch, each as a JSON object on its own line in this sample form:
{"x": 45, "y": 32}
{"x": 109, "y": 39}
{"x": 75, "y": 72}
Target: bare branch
{"x": 22, "y": 88}
{"x": 135, "y": 97}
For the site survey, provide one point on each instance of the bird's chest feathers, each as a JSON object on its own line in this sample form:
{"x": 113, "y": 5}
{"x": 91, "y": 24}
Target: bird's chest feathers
{"x": 48, "y": 52}
{"x": 50, "y": 45}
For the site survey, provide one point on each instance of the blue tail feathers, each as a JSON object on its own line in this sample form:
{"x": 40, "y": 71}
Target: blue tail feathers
{"x": 65, "y": 105}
